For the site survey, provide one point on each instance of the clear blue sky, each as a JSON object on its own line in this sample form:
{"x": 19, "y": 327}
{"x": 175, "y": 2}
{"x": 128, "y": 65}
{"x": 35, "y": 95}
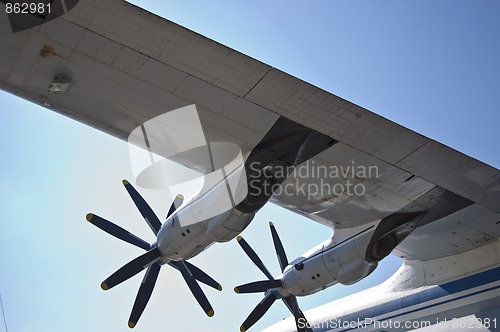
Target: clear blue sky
{"x": 430, "y": 66}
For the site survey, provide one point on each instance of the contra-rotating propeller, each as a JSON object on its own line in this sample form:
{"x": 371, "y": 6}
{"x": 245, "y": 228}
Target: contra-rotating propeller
{"x": 151, "y": 259}
{"x": 270, "y": 287}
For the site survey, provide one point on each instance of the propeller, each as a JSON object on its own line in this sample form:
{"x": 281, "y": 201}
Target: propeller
{"x": 270, "y": 287}
{"x": 151, "y": 259}
{"x": 179, "y": 199}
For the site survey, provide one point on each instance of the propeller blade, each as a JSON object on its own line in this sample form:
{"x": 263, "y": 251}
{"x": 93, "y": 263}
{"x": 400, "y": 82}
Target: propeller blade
{"x": 258, "y": 286}
{"x": 199, "y": 275}
{"x": 278, "y": 246}
{"x": 117, "y": 231}
{"x": 131, "y": 269}
{"x": 144, "y": 294}
{"x": 253, "y": 256}
{"x": 195, "y": 289}
{"x": 258, "y": 312}
{"x": 300, "y": 320}
{"x": 203, "y": 277}
{"x": 179, "y": 199}
{"x": 146, "y": 211}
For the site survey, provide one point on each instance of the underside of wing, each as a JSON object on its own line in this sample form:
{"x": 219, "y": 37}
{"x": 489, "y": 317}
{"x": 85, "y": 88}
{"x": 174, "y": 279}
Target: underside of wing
{"x": 125, "y": 66}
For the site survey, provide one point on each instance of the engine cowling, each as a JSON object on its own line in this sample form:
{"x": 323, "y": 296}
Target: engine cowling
{"x": 227, "y": 228}
{"x": 340, "y": 259}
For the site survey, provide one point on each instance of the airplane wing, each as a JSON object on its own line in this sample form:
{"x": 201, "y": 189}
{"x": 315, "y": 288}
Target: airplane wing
{"x": 124, "y": 66}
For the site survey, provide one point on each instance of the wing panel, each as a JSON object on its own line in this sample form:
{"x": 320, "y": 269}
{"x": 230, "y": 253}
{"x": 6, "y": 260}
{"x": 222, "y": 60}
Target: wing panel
{"x": 344, "y": 187}
{"x": 334, "y": 116}
{"x": 170, "y": 43}
{"x": 457, "y": 172}
{"x": 464, "y": 230}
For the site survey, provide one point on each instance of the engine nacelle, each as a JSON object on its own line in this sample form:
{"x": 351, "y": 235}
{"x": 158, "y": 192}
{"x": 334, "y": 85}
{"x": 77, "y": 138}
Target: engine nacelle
{"x": 227, "y": 228}
{"x": 340, "y": 259}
